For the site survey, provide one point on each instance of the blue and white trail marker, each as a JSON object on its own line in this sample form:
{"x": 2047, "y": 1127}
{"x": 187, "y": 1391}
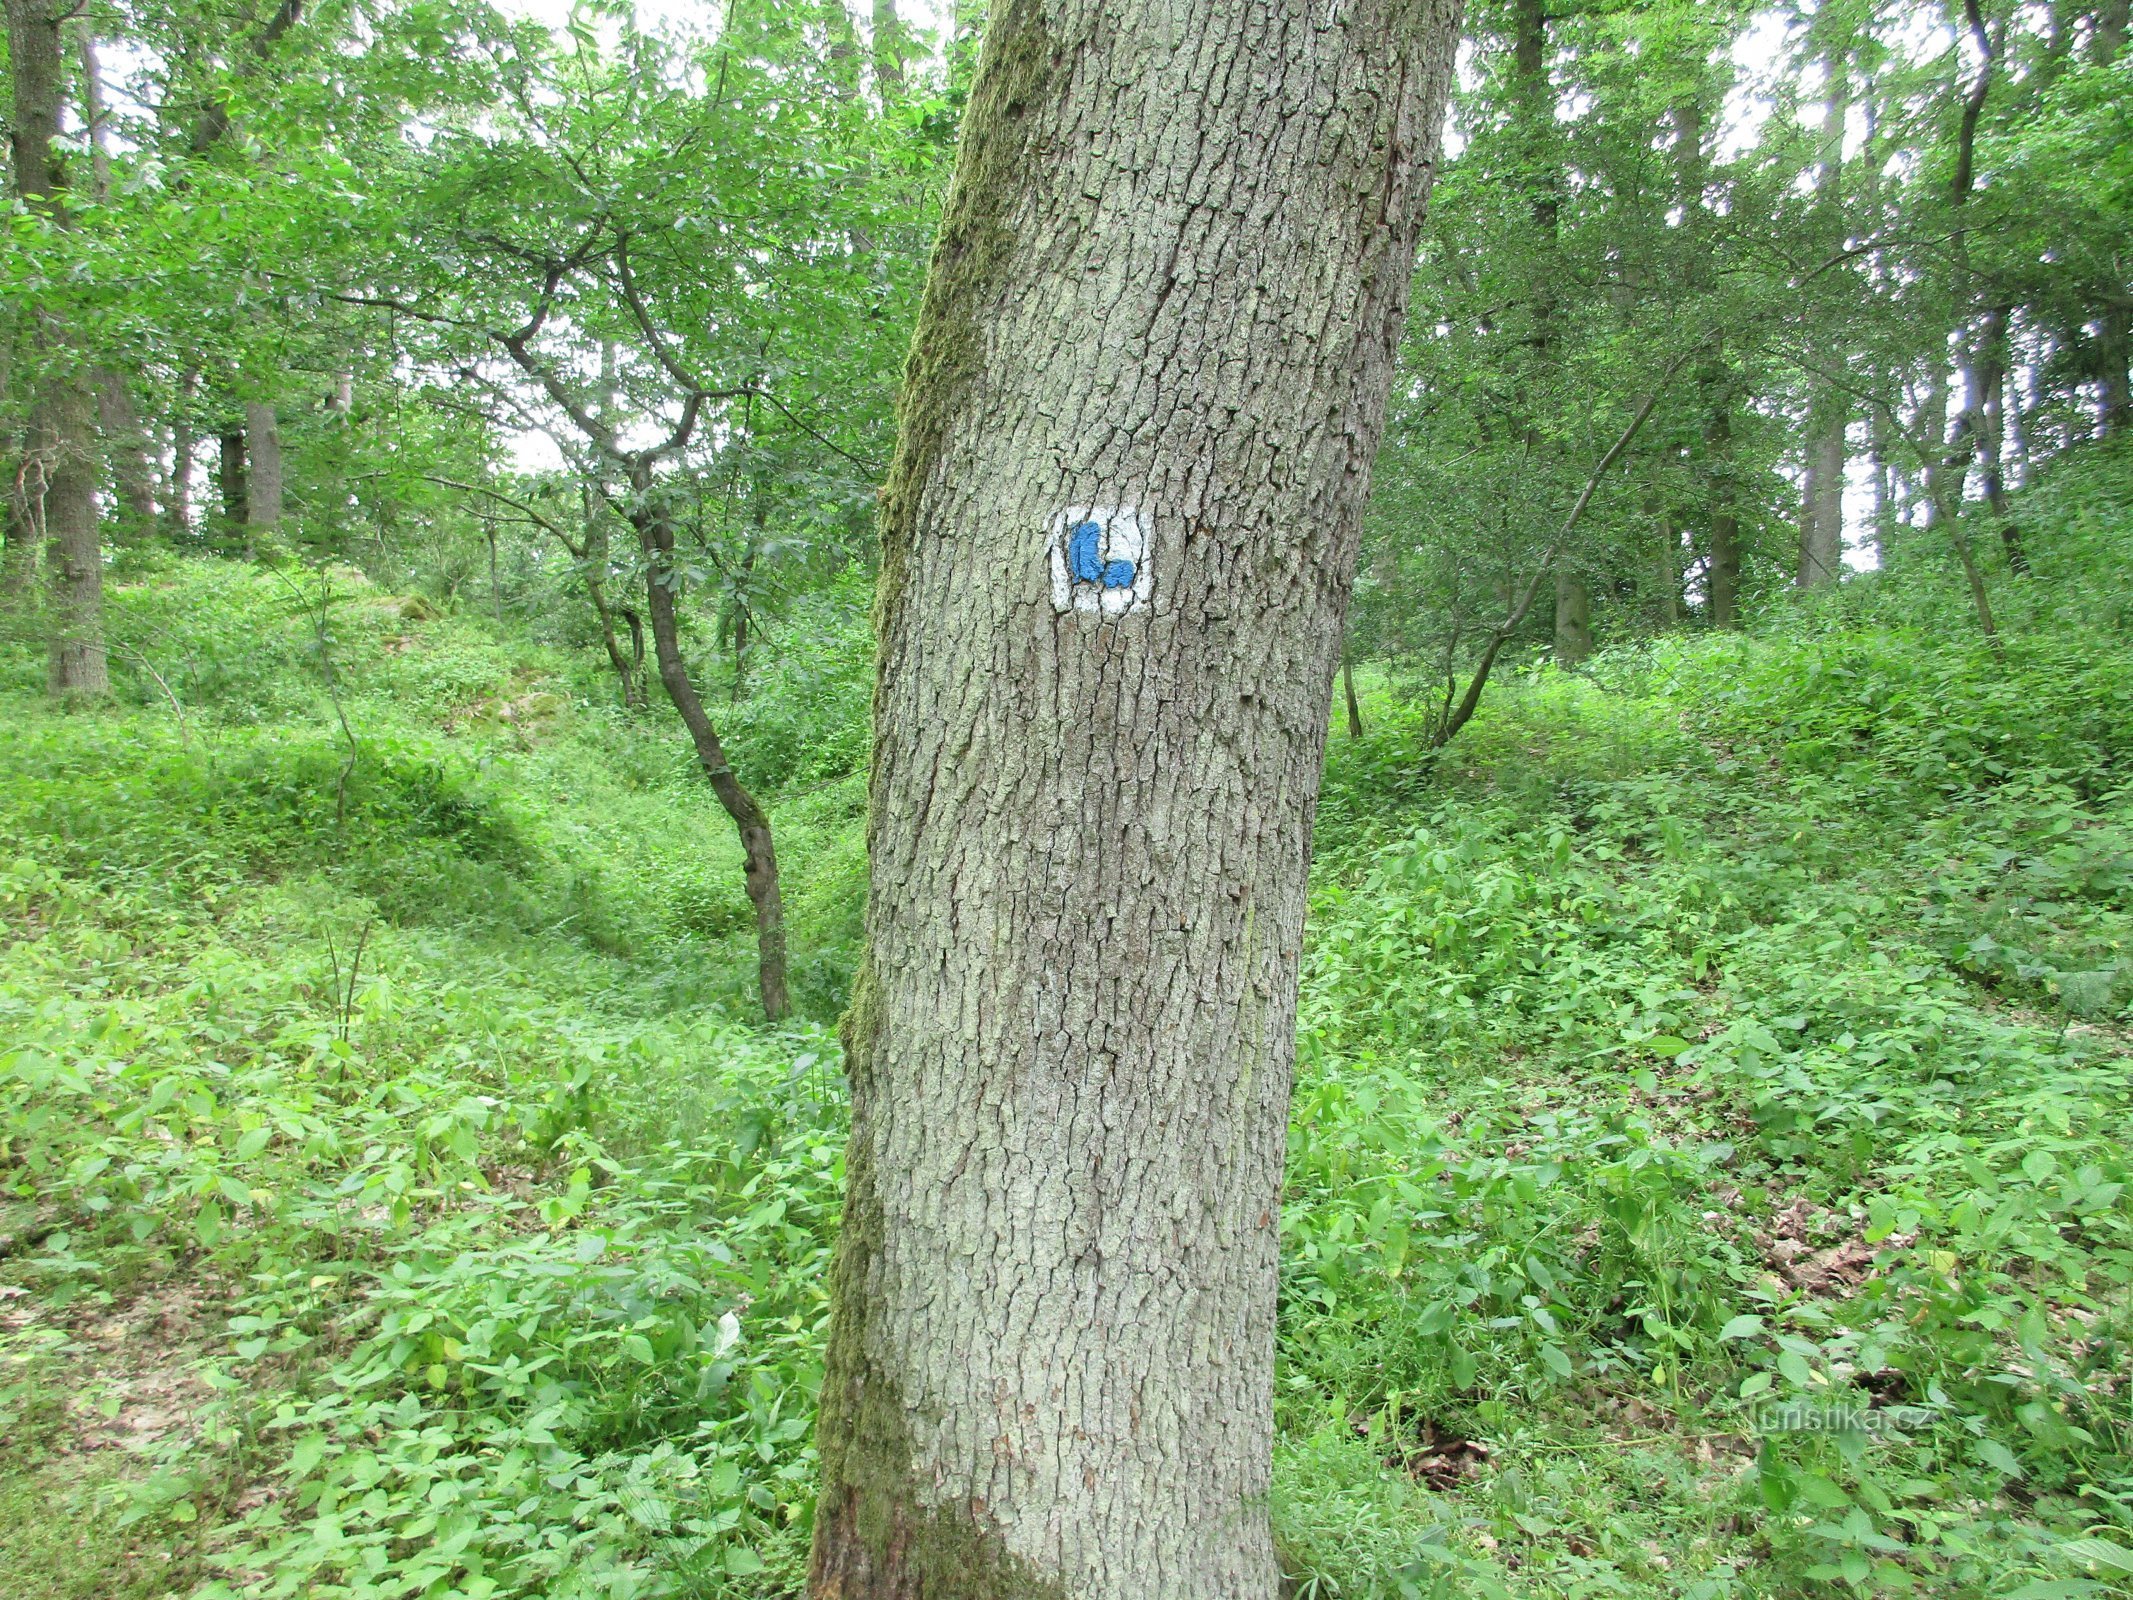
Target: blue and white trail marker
{"x": 1100, "y": 560}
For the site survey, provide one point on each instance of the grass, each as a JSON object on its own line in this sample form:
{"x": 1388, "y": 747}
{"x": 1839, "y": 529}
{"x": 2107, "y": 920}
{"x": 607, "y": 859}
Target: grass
{"x": 1708, "y": 1169}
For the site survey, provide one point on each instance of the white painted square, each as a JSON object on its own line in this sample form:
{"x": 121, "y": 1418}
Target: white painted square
{"x": 1100, "y": 562}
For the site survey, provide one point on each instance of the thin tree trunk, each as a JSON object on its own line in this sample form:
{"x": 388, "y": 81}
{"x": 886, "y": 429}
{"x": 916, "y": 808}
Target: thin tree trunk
{"x": 1822, "y": 482}
{"x": 1722, "y": 577}
{"x": 1822, "y": 509}
{"x": 1573, "y": 619}
{"x": 2115, "y": 347}
{"x": 59, "y": 459}
{"x": 18, "y": 556}
{"x": 1986, "y": 421}
{"x": 1884, "y": 490}
{"x": 179, "y": 505}
{"x": 1933, "y": 422}
{"x": 1669, "y": 563}
{"x": 966, "y": 28}
{"x": 1108, "y": 633}
{"x": 888, "y": 52}
{"x": 262, "y": 442}
{"x": 119, "y": 421}
{"x": 592, "y": 557}
{"x": 759, "y": 869}
{"x": 230, "y": 484}
{"x": 2114, "y": 351}
{"x": 1355, "y": 709}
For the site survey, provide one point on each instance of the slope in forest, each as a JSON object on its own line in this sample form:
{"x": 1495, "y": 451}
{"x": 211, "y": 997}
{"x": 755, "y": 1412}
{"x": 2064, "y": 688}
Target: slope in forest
{"x": 1708, "y": 1170}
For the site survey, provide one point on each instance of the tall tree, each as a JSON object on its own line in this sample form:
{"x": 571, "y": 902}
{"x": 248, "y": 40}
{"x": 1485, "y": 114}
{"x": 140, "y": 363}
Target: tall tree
{"x": 58, "y": 470}
{"x": 1136, "y": 431}
{"x": 1828, "y": 408}
{"x": 126, "y": 447}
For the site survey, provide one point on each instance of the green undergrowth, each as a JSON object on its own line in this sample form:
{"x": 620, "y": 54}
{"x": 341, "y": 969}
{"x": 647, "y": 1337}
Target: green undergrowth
{"x": 1708, "y": 1172}
{"x": 1709, "y": 1168}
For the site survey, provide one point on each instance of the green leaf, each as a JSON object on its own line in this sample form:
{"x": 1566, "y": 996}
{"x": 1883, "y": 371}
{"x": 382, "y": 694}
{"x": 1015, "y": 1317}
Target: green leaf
{"x": 1557, "y": 1358}
{"x": 1745, "y": 1326}
{"x": 1998, "y": 1457}
{"x": 2096, "y": 1551}
{"x": 637, "y": 1345}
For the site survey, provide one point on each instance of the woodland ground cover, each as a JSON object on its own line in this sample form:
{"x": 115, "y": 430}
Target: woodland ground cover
{"x": 1708, "y": 1167}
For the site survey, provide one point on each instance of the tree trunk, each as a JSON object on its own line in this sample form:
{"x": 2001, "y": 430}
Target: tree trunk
{"x": 1884, "y": 489}
{"x": 1722, "y": 576}
{"x": 1355, "y": 709}
{"x": 759, "y": 869}
{"x": 58, "y": 484}
{"x": 1668, "y": 571}
{"x": 133, "y": 473}
{"x": 230, "y": 483}
{"x": 1822, "y": 499}
{"x": 1573, "y": 619}
{"x": 118, "y": 420}
{"x": 628, "y": 669}
{"x": 888, "y": 52}
{"x": 2114, "y": 351}
{"x": 966, "y": 25}
{"x": 18, "y": 556}
{"x": 1147, "y": 383}
{"x": 1985, "y": 418}
{"x": 178, "y": 505}
{"x": 262, "y": 441}
{"x": 1828, "y": 413}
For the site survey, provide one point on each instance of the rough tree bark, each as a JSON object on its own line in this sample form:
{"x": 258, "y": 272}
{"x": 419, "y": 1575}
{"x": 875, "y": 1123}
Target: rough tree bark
{"x": 1137, "y": 423}
{"x": 1822, "y": 497}
{"x": 230, "y": 483}
{"x": 262, "y": 448}
{"x": 58, "y": 470}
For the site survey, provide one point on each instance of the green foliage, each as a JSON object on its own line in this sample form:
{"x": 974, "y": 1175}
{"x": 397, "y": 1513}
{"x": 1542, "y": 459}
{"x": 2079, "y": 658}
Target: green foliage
{"x": 1733, "y": 1043}
{"x": 1707, "y": 1178}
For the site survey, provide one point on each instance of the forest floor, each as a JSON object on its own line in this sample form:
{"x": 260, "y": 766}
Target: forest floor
{"x": 1708, "y": 1170}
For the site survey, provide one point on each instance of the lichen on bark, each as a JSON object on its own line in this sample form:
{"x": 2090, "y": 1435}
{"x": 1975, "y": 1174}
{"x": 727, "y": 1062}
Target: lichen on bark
{"x": 970, "y": 256}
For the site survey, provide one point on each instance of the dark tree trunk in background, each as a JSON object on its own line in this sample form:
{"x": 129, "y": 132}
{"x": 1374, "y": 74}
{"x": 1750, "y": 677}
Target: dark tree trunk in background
{"x": 759, "y": 852}
{"x": 1533, "y": 110}
{"x": 1828, "y": 411}
{"x": 1573, "y": 620}
{"x": 2116, "y": 344}
{"x": 1722, "y": 574}
{"x": 178, "y": 504}
{"x": 1118, "y": 537}
{"x": 262, "y": 449}
{"x": 1355, "y": 709}
{"x": 888, "y": 51}
{"x": 58, "y": 469}
{"x": 1668, "y": 569}
{"x": 126, "y": 446}
{"x": 1985, "y": 420}
{"x": 231, "y": 486}
{"x": 1822, "y": 501}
